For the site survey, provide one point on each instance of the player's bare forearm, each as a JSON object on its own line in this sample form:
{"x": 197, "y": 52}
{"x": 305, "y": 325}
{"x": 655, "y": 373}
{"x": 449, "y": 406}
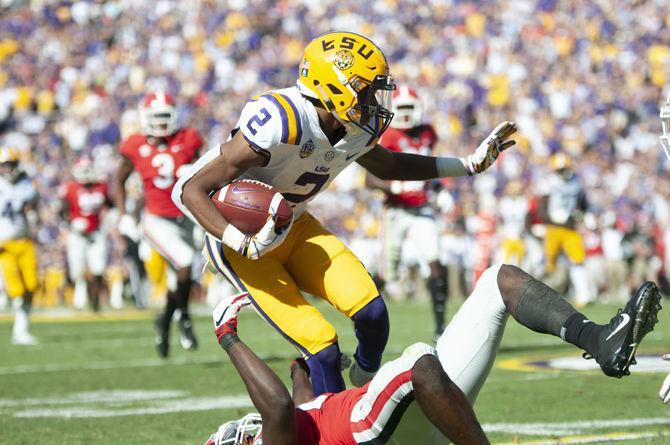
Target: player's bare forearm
{"x": 268, "y": 394}
{"x": 388, "y": 165}
{"x": 122, "y": 174}
{"x": 236, "y": 157}
{"x": 302, "y": 387}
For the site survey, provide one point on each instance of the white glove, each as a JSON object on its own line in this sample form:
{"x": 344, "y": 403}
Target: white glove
{"x": 664, "y": 393}
{"x": 128, "y": 227}
{"x": 225, "y": 314}
{"x": 267, "y": 239}
{"x": 487, "y": 152}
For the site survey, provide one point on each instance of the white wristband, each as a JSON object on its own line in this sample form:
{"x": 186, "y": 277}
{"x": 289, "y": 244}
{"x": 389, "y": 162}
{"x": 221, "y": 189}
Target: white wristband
{"x": 449, "y": 167}
{"x": 233, "y": 238}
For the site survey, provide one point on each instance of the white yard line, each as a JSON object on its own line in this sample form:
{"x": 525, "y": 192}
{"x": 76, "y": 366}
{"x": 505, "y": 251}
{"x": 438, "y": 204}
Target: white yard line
{"x": 103, "y": 396}
{"x": 155, "y": 407}
{"x": 603, "y": 438}
{"x": 571, "y": 428}
{"x": 89, "y": 366}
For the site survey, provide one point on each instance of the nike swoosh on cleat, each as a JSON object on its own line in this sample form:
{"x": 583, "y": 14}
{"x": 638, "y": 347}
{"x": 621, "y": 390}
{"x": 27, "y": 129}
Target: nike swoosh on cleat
{"x": 626, "y": 320}
{"x": 221, "y": 317}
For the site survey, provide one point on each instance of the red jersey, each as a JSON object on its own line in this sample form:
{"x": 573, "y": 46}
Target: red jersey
{"x": 85, "y": 203}
{"x": 417, "y": 140}
{"x": 326, "y": 419}
{"x": 158, "y": 167}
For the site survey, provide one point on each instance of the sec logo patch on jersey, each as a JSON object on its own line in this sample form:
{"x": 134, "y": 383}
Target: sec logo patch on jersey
{"x": 307, "y": 149}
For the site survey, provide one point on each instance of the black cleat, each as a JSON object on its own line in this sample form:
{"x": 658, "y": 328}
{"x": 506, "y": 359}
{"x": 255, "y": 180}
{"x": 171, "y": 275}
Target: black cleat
{"x": 621, "y": 337}
{"x": 187, "y": 338}
{"x": 162, "y": 337}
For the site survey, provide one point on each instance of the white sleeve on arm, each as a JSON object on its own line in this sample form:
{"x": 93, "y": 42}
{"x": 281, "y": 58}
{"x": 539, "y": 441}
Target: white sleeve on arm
{"x": 450, "y": 166}
{"x": 178, "y": 188}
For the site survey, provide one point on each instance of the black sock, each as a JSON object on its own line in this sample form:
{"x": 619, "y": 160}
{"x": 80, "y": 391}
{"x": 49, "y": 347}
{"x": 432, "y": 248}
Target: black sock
{"x": 582, "y": 332}
{"x": 170, "y": 307}
{"x": 181, "y": 296}
{"x": 438, "y": 293}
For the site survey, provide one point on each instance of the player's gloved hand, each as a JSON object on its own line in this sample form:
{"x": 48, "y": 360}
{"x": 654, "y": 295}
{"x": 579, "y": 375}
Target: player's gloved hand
{"x": 128, "y": 227}
{"x": 225, "y": 314}
{"x": 664, "y": 393}
{"x": 267, "y": 239}
{"x": 487, "y": 152}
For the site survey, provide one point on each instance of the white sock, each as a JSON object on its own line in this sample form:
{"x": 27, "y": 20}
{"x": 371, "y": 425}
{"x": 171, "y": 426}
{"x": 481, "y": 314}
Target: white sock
{"x": 580, "y": 282}
{"x": 21, "y": 324}
{"x": 80, "y": 296}
{"x": 116, "y": 294}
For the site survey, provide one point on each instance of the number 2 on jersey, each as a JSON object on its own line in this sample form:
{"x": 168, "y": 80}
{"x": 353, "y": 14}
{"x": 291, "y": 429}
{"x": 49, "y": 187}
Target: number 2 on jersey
{"x": 307, "y": 178}
{"x": 164, "y": 164}
{"x": 261, "y": 120}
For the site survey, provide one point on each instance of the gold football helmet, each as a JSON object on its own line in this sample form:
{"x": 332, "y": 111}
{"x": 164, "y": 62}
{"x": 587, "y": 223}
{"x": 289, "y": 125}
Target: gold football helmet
{"x": 9, "y": 155}
{"x": 350, "y": 76}
{"x": 560, "y": 161}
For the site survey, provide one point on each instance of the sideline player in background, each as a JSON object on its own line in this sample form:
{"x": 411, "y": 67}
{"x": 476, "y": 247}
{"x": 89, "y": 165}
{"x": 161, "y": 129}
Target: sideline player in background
{"x": 18, "y": 260}
{"x": 561, "y": 207}
{"x": 364, "y": 415}
{"x": 513, "y": 211}
{"x": 84, "y": 199}
{"x": 159, "y": 155}
{"x": 409, "y": 216}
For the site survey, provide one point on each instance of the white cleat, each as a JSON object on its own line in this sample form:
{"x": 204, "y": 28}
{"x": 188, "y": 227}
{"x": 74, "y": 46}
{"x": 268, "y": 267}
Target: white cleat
{"x": 24, "y": 340}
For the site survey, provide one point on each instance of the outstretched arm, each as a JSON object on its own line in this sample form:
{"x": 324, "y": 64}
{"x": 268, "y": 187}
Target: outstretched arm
{"x": 385, "y": 164}
{"x": 267, "y": 392}
{"x": 302, "y": 387}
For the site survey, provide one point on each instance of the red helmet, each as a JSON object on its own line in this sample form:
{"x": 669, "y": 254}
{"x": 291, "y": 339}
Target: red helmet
{"x": 158, "y": 114}
{"x": 407, "y": 110}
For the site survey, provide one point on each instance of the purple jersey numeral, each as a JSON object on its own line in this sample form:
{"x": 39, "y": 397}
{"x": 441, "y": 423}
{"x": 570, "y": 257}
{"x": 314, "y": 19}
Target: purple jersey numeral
{"x": 258, "y": 120}
{"x": 306, "y": 179}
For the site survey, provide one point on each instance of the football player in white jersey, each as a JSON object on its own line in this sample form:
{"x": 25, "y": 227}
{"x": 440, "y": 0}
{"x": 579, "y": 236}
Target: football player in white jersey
{"x": 664, "y": 393}
{"x": 297, "y": 139}
{"x": 17, "y": 252}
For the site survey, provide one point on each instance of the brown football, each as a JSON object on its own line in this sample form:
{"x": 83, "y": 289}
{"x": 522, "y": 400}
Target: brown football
{"x": 246, "y": 203}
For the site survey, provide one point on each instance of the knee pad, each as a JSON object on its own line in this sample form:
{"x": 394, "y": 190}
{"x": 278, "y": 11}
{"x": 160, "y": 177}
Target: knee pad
{"x": 413, "y": 353}
{"x": 487, "y": 289}
{"x": 326, "y": 356}
{"x": 373, "y": 315}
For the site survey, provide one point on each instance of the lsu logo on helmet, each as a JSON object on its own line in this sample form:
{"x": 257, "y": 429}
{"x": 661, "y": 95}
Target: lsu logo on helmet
{"x": 350, "y": 76}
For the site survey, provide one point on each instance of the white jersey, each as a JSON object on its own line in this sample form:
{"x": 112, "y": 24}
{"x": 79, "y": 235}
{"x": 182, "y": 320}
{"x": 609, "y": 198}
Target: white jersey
{"x": 13, "y": 199}
{"x": 513, "y": 212}
{"x": 564, "y": 195}
{"x": 284, "y": 126}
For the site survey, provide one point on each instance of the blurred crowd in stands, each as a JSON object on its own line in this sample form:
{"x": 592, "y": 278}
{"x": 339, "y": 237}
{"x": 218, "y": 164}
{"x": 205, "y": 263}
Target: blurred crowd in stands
{"x": 584, "y": 78}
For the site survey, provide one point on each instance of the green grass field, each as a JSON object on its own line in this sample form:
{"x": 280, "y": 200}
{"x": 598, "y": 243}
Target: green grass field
{"x": 98, "y": 380}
